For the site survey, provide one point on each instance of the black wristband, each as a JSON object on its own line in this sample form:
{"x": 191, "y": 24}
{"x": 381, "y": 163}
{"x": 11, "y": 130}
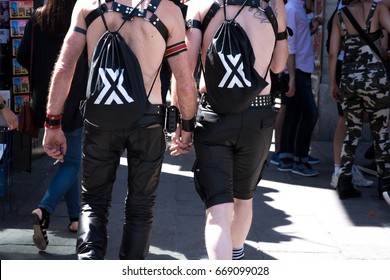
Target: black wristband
{"x": 188, "y": 125}
{"x": 281, "y": 35}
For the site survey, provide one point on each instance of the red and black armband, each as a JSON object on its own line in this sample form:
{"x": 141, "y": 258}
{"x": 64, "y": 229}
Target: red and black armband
{"x": 53, "y": 121}
{"x": 175, "y": 49}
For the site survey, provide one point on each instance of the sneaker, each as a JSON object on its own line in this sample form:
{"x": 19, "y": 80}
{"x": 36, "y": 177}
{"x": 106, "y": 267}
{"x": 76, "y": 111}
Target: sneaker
{"x": 335, "y": 179}
{"x": 384, "y": 189}
{"x": 285, "y": 164}
{"x": 345, "y": 188}
{"x": 358, "y": 179}
{"x": 275, "y": 158}
{"x": 304, "y": 169}
{"x": 369, "y": 169}
{"x": 386, "y": 197}
{"x": 313, "y": 160}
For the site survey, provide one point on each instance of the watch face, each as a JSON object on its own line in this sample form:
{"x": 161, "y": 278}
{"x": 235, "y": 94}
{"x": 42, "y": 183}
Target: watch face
{"x": 2, "y": 105}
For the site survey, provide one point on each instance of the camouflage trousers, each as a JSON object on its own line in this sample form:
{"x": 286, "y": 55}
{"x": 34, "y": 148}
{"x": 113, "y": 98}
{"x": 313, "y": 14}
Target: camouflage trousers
{"x": 365, "y": 90}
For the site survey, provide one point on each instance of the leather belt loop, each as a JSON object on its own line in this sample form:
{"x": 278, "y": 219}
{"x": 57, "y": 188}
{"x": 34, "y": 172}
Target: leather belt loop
{"x": 156, "y": 109}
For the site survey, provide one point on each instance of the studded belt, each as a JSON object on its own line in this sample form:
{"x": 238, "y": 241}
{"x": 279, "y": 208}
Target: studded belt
{"x": 262, "y": 100}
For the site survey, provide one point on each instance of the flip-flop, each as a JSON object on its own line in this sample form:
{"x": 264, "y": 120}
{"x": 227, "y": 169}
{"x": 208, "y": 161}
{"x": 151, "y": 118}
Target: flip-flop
{"x": 40, "y": 235}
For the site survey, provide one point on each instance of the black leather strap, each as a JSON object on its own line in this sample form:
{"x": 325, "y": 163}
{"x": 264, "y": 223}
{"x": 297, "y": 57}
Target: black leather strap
{"x": 188, "y": 125}
{"x": 210, "y": 14}
{"x": 362, "y": 33}
{"x": 250, "y": 3}
{"x": 193, "y": 23}
{"x": 281, "y": 35}
{"x": 95, "y": 14}
{"x": 129, "y": 12}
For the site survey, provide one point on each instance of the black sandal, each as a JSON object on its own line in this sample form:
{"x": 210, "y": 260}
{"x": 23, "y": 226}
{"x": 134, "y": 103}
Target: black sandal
{"x": 40, "y": 235}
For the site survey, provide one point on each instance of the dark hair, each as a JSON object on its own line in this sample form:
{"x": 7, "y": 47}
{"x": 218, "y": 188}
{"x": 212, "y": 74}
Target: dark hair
{"x": 54, "y": 17}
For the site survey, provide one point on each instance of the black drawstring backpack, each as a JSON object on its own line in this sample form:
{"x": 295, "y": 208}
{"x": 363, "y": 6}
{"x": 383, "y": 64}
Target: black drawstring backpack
{"x": 116, "y": 95}
{"x": 231, "y": 80}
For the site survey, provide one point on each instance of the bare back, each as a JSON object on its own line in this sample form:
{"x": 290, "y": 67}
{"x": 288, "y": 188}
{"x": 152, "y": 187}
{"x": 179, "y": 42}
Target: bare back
{"x": 254, "y": 22}
{"x": 360, "y": 11}
{"x": 142, "y": 37}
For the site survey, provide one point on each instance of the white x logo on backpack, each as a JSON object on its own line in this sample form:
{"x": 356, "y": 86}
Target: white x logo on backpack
{"x": 233, "y": 69}
{"x": 112, "y": 81}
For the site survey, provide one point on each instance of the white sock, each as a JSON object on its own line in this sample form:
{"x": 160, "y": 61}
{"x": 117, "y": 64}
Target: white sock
{"x": 336, "y": 168}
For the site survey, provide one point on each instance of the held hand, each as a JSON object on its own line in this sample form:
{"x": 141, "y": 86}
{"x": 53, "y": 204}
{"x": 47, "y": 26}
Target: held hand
{"x": 10, "y": 118}
{"x": 181, "y": 144}
{"x": 291, "y": 89}
{"x": 54, "y": 143}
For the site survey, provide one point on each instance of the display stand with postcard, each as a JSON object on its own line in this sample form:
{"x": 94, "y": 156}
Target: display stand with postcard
{"x": 6, "y": 147}
{"x": 20, "y": 12}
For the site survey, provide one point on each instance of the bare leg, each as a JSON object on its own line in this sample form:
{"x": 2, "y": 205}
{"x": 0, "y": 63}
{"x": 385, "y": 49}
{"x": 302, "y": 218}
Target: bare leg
{"x": 218, "y": 231}
{"x": 338, "y": 139}
{"x": 242, "y": 220}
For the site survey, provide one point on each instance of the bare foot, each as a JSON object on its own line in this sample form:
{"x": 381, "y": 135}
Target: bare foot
{"x": 74, "y": 226}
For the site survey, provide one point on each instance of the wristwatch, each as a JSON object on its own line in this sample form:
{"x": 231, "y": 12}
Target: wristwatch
{"x": 2, "y": 105}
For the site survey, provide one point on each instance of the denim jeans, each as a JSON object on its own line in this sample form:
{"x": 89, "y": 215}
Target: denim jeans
{"x": 66, "y": 181}
{"x": 300, "y": 119}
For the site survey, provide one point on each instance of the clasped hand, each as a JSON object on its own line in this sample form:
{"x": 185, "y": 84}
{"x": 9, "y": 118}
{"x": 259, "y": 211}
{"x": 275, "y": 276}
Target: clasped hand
{"x": 181, "y": 142}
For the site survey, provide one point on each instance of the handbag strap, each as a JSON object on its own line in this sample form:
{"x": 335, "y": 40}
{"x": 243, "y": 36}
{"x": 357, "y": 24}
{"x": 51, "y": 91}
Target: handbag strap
{"x": 362, "y": 33}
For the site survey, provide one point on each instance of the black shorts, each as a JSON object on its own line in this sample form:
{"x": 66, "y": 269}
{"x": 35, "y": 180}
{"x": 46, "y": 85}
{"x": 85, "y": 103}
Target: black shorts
{"x": 231, "y": 153}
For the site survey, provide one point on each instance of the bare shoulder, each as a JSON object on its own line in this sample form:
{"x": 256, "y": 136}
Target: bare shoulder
{"x": 200, "y": 7}
{"x": 170, "y": 14}
{"x": 85, "y": 7}
{"x": 279, "y": 7}
{"x": 386, "y": 3}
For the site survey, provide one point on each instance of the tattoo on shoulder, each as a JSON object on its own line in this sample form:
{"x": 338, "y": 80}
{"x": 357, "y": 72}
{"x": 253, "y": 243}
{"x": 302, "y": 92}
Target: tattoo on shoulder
{"x": 259, "y": 14}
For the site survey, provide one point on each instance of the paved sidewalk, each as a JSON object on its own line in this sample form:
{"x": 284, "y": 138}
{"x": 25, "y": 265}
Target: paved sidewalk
{"x": 295, "y": 218}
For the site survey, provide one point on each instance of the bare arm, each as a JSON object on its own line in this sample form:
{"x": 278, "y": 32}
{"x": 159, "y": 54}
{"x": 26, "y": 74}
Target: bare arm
{"x": 184, "y": 94}
{"x": 193, "y": 41}
{"x": 291, "y": 72}
{"x": 387, "y": 3}
{"x": 281, "y": 49}
{"x": 9, "y": 117}
{"x": 384, "y": 16}
{"x": 64, "y": 68}
{"x": 334, "y": 48}
{"x": 54, "y": 141}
